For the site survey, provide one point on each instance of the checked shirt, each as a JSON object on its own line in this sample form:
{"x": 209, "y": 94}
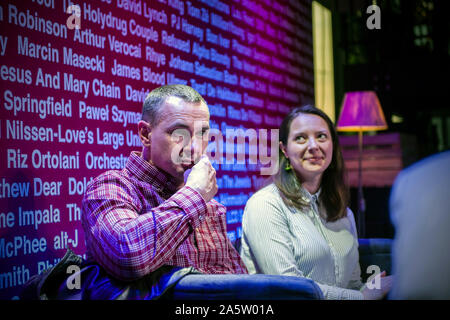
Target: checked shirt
{"x": 136, "y": 220}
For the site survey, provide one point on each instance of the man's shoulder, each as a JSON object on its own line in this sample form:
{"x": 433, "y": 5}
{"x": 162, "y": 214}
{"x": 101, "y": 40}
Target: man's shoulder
{"x": 431, "y": 171}
{"x": 116, "y": 178}
{"x": 438, "y": 164}
{"x": 110, "y": 175}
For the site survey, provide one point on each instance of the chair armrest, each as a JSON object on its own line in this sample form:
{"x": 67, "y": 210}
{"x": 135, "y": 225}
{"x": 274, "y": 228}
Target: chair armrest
{"x": 245, "y": 287}
{"x": 375, "y": 251}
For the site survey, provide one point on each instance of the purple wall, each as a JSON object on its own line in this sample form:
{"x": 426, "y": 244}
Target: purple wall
{"x": 70, "y": 101}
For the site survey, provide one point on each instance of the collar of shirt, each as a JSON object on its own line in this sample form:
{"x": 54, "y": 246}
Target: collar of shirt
{"x": 144, "y": 171}
{"x": 313, "y": 200}
{"x": 308, "y": 197}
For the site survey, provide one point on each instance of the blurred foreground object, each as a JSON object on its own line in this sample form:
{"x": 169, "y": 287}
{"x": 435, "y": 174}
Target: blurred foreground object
{"x": 420, "y": 212}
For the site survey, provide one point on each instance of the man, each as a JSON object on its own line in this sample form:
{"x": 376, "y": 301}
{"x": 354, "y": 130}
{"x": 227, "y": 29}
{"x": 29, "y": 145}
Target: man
{"x": 153, "y": 229}
{"x": 146, "y": 217}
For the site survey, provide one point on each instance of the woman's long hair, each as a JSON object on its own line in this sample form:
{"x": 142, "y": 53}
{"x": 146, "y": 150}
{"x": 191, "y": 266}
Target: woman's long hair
{"x": 335, "y": 193}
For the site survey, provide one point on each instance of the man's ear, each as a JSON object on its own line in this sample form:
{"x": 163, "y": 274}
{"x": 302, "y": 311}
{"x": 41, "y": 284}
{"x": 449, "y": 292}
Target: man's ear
{"x": 145, "y": 131}
{"x": 283, "y": 149}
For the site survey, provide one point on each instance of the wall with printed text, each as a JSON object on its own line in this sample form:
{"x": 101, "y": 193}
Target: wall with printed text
{"x": 74, "y": 74}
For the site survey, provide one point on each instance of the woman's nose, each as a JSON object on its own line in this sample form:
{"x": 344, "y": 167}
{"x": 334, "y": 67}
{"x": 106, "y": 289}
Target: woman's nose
{"x": 312, "y": 144}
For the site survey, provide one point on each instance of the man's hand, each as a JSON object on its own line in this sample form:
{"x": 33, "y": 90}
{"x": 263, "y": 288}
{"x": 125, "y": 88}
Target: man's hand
{"x": 378, "y": 294}
{"x": 202, "y": 178}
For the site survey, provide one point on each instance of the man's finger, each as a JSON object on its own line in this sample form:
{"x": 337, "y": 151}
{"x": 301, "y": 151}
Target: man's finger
{"x": 186, "y": 174}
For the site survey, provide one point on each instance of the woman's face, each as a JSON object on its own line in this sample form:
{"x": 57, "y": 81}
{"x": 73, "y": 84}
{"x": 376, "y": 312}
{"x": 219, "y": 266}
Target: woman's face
{"x": 309, "y": 146}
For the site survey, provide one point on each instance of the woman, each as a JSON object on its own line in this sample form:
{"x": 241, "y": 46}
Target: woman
{"x": 300, "y": 224}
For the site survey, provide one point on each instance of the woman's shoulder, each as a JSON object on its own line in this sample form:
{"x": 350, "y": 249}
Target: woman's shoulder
{"x": 351, "y": 218}
{"x": 266, "y": 196}
{"x": 268, "y": 192}
{"x": 265, "y": 204}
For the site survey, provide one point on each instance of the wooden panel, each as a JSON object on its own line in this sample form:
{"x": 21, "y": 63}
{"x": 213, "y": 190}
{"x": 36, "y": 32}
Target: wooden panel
{"x": 375, "y": 163}
{"x": 373, "y": 178}
{"x": 378, "y": 139}
{"x": 381, "y": 159}
{"x": 371, "y": 153}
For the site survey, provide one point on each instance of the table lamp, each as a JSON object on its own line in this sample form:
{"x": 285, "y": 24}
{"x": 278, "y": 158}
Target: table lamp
{"x": 361, "y": 111}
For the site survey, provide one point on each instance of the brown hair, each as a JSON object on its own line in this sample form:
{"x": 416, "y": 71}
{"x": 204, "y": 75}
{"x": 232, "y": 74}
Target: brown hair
{"x": 335, "y": 193}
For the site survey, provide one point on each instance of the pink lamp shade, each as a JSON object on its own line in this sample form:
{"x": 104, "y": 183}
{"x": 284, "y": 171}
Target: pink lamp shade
{"x": 361, "y": 111}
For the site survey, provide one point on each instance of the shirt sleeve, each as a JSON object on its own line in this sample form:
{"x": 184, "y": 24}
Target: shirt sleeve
{"x": 130, "y": 245}
{"x": 266, "y": 231}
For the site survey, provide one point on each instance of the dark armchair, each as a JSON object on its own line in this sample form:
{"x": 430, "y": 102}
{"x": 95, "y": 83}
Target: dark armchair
{"x": 372, "y": 252}
{"x": 375, "y": 252}
{"x": 194, "y": 286}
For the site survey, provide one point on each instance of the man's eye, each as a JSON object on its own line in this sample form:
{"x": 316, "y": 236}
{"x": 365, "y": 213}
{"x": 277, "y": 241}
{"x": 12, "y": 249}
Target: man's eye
{"x": 178, "y": 135}
{"x": 177, "y": 138}
{"x": 202, "y": 134}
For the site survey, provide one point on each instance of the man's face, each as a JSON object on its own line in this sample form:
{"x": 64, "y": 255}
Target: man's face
{"x": 180, "y": 138}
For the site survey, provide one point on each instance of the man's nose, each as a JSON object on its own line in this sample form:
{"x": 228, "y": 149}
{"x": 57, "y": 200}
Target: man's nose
{"x": 194, "y": 148}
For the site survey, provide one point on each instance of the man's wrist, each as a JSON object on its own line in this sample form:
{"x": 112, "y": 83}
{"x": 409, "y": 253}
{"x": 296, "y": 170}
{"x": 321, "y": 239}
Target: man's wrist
{"x": 192, "y": 203}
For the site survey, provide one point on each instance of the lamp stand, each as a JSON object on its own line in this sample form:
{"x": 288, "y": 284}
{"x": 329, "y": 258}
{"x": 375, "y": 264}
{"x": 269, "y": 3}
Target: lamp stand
{"x": 361, "y": 201}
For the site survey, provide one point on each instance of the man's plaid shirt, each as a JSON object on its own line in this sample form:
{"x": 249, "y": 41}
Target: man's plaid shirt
{"x": 135, "y": 221}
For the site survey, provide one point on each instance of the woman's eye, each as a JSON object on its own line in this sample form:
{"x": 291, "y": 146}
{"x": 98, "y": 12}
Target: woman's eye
{"x": 300, "y": 139}
{"x": 322, "y": 136}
